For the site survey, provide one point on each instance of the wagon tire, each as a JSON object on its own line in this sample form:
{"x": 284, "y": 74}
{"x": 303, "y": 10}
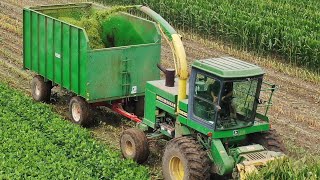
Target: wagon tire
{"x": 40, "y": 89}
{"x": 269, "y": 140}
{"x": 184, "y": 159}
{"x": 79, "y": 111}
{"x": 134, "y": 145}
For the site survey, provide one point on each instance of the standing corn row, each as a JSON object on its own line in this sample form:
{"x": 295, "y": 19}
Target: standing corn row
{"x": 290, "y": 29}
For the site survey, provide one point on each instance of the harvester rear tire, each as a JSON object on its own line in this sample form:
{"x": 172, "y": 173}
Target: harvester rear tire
{"x": 134, "y": 145}
{"x": 79, "y": 111}
{"x": 40, "y": 89}
{"x": 269, "y": 140}
{"x": 185, "y": 159}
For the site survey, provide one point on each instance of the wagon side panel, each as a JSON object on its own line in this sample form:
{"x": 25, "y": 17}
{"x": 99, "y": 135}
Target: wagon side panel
{"x": 55, "y": 50}
{"x": 121, "y": 72}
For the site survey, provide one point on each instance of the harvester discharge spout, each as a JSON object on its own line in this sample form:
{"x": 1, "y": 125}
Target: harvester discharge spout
{"x": 177, "y": 47}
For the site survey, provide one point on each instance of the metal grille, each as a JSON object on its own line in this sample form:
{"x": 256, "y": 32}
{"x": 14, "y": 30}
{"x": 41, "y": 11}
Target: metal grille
{"x": 256, "y": 156}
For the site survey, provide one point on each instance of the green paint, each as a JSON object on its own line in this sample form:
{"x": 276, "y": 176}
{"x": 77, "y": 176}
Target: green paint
{"x": 238, "y": 151}
{"x": 150, "y": 108}
{"x": 234, "y": 139}
{"x": 223, "y": 163}
{"x": 182, "y": 119}
{"x": 228, "y": 67}
{"x": 181, "y": 130}
{"x": 165, "y": 107}
{"x": 61, "y": 51}
{"x": 113, "y": 72}
{"x": 183, "y": 105}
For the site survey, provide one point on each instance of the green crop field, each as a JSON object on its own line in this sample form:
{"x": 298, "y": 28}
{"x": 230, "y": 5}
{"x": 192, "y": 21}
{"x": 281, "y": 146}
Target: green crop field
{"x": 289, "y": 169}
{"x": 36, "y": 143}
{"x": 289, "y": 29}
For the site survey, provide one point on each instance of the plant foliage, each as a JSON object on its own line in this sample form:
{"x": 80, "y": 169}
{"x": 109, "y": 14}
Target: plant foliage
{"x": 92, "y": 22}
{"x": 289, "y": 169}
{"x": 36, "y": 143}
{"x": 286, "y": 28}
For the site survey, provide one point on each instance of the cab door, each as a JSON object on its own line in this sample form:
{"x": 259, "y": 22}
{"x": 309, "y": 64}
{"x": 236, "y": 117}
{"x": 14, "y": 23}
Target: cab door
{"x": 204, "y": 98}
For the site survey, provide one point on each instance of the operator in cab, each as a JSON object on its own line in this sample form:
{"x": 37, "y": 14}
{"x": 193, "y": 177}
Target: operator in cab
{"x": 228, "y": 108}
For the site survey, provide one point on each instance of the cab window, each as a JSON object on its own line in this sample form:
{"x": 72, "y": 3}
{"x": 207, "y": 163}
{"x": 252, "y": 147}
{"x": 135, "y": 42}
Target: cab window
{"x": 206, "y": 97}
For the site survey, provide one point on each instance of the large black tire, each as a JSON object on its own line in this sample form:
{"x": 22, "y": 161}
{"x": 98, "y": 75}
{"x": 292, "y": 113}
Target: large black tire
{"x": 134, "y": 145}
{"x": 79, "y": 111}
{"x": 269, "y": 140}
{"x": 40, "y": 89}
{"x": 185, "y": 159}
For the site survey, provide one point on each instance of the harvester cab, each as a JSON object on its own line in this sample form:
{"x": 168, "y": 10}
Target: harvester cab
{"x": 224, "y": 93}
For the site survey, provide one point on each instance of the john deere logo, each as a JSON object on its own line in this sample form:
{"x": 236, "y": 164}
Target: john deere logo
{"x": 235, "y": 132}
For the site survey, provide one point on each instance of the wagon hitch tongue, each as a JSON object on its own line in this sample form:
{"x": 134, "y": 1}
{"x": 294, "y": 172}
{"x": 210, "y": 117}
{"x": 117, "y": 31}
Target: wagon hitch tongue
{"x": 251, "y": 158}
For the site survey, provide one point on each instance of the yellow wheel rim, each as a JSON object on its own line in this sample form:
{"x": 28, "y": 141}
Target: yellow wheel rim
{"x": 176, "y": 168}
{"x": 129, "y": 148}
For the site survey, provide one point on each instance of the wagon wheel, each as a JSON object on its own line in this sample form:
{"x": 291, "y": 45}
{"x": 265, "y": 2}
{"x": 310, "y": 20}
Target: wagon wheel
{"x": 40, "y": 89}
{"x": 79, "y": 111}
{"x": 134, "y": 145}
{"x": 184, "y": 158}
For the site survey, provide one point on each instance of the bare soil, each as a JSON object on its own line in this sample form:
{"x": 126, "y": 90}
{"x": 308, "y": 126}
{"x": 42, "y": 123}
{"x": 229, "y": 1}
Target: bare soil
{"x": 295, "y": 114}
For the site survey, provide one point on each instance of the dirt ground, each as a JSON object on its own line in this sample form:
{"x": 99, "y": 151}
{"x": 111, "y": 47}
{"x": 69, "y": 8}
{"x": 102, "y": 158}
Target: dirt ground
{"x": 295, "y": 114}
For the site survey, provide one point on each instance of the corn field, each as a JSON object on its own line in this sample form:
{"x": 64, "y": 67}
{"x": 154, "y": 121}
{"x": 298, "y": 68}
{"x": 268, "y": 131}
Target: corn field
{"x": 289, "y": 29}
{"x": 287, "y": 168}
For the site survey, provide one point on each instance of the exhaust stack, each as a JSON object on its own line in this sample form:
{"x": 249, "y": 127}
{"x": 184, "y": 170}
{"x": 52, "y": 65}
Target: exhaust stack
{"x": 170, "y": 74}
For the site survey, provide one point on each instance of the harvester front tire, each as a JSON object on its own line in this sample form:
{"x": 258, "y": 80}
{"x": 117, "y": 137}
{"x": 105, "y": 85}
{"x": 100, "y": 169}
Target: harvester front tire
{"x": 79, "y": 111}
{"x": 269, "y": 140}
{"x": 185, "y": 159}
{"x": 134, "y": 145}
{"x": 40, "y": 89}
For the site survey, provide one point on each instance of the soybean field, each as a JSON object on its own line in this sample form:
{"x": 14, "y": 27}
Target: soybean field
{"x": 37, "y": 143}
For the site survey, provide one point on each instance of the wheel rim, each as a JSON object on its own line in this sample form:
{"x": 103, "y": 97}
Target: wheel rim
{"x": 37, "y": 90}
{"x": 76, "y": 115}
{"x": 176, "y": 168}
{"x": 129, "y": 148}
